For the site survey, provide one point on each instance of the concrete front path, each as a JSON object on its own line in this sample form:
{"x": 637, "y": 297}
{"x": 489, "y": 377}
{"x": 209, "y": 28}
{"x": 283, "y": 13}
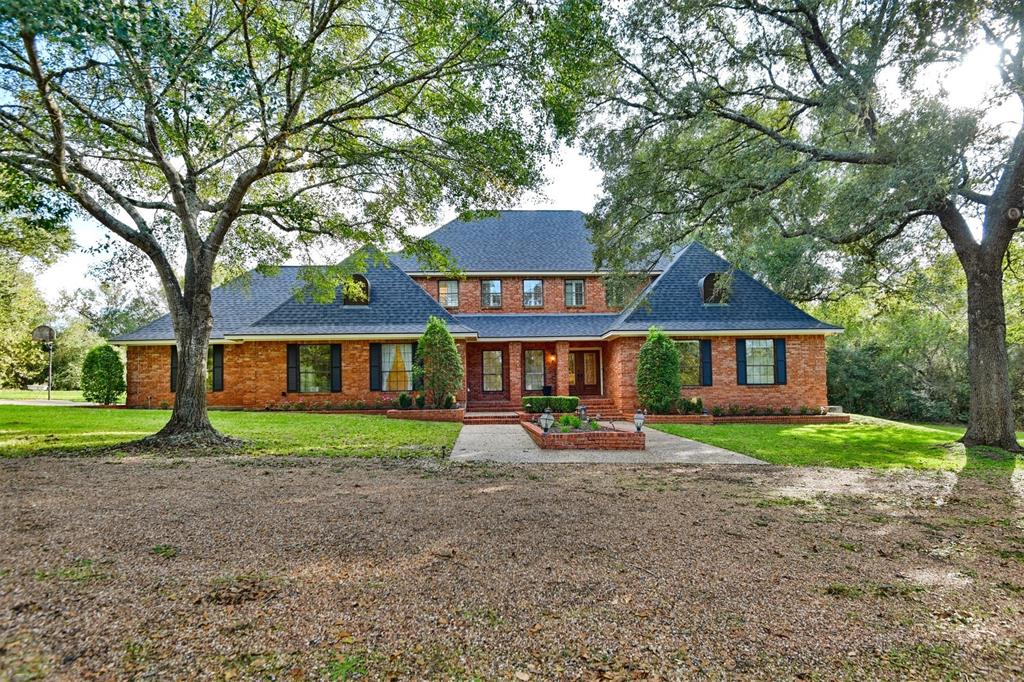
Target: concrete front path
{"x": 509, "y": 443}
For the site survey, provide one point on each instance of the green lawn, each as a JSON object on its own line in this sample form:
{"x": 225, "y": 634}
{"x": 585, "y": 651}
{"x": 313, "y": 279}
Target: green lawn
{"x": 18, "y": 394}
{"x": 864, "y": 442}
{"x": 30, "y": 430}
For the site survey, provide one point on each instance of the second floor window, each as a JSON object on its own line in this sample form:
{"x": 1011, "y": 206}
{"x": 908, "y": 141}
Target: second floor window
{"x": 490, "y": 293}
{"x": 533, "y": 293}
{"x": 574, "y": 297}
{"x": 448, "y": 293}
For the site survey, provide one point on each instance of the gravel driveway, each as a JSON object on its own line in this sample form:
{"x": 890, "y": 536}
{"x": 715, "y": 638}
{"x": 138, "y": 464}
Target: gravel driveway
{"x": 339, "y": 569}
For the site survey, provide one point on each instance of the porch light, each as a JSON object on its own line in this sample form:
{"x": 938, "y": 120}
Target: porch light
{"x": 638, "y": 420}
{"x": 546, "y": 419}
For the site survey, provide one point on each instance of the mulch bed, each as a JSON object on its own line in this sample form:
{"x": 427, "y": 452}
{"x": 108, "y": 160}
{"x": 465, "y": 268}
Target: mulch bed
{"x": 277, "y": 568}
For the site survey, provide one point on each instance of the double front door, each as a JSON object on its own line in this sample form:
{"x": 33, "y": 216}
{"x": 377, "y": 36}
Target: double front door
{"x": 584, "y": 372}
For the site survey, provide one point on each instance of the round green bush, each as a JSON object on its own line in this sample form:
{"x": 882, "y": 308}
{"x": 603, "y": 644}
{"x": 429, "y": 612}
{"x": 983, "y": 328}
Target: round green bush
{"x": 657, "y": 373}
{"x": 102, "y": 375}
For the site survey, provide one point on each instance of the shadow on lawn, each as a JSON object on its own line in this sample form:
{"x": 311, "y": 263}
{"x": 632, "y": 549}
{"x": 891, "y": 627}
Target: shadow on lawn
{"x": 987, "y": 481}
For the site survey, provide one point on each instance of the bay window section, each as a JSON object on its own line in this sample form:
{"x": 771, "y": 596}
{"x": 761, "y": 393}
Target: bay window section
{"x": 490, "y": 293}
{"x": 533, "y": 293}
{"x": 533, "y": 369}
{"x": 493, "y": 371}
{"x": 574, "y": 293}
{"x": 448, "y": 293}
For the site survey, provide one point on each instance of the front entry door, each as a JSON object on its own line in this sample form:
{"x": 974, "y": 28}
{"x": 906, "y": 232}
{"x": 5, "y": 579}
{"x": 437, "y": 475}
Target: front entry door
{"x": 584, "y": 372}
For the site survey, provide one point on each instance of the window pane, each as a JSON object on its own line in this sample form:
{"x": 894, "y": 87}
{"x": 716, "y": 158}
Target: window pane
{"x": 493, "y": 374}
{"x": 533, "y": 293}
{"x": 533, "y": 365}
{"x": 689, "y": 362}
{"x": 574, "y": 292}
{"x": 760, "y": 361}
{"x": 209, "y": 368}
{"x": 572, "y": 369}
{"x": 314, "y": 368}
{"x": 396, "y": 366}
{"x": 448, "y": 293}
{"x": 590, "y": 369}
{"x": 490, "y": 293}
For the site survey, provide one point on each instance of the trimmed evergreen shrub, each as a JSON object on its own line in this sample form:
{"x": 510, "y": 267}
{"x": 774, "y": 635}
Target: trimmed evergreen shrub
{"x": 102, "y": 375}
{"x": 449, "y": 401}
{"x": 657, "y": 373}
{"x": 438, "y": 364}
{"x": 404, "y": 401}
{"x": 557, "y": 403}
{"x": 421, "y": 400}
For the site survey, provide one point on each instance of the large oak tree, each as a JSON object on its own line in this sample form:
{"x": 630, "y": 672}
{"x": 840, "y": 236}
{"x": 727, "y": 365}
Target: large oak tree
{"x": 206, "y": 131}
{"x": 821, "y": 121}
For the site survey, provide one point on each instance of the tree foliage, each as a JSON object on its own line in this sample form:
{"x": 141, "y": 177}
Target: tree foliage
{"x": 22, "y": 308}
{"x": 819, "y": 122}
{"x": 438, "y": 363}
{"x": 657, "y": 373}
{"x": 103, "y": 375}
{"x": 211, "y": 131}
{"x": 114, "y": 308}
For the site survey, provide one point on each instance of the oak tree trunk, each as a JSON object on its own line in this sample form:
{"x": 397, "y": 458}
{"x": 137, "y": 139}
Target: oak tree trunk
{"x": 990, "y": 419}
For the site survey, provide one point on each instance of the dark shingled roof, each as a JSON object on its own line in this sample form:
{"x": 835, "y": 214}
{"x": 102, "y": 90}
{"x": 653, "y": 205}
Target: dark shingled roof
{"x": 674, "y": 301}
{"x": 236, "y": 304}
{"x": 526, "y": 326}
{"x": 514, "y": 241}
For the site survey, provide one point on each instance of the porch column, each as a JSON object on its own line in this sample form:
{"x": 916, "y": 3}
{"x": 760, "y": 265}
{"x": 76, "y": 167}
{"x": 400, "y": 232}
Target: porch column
{"x": 515, "y": 373}
{"x": 562, "y": 368}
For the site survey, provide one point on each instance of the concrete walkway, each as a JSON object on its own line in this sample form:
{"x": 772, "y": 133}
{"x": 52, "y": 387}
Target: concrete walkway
{"x": 509, "y": 443}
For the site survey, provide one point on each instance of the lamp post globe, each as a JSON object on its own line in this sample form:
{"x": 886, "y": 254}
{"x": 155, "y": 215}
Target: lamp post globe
{"x": 546, "y": 419}
{"x": 638, "y": 420}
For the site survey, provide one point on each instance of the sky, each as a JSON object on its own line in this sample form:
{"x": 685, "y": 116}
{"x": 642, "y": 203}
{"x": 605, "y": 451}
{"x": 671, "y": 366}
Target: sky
{"x": 572, "y": 182}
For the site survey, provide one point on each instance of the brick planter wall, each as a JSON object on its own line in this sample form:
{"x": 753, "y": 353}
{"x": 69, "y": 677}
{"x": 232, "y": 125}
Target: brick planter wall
{"x": 710, "y": 420}
{"x": 592, "y": 440}
{"x": 441, "y": 415}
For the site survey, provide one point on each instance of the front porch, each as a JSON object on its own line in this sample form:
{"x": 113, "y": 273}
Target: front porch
{"x": 498, "y": 375}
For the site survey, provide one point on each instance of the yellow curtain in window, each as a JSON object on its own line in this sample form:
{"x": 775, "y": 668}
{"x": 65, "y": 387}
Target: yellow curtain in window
{"x": 397, "y": 378}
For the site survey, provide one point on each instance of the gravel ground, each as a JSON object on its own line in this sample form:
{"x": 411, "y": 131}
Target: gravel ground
{"x": 232, "y": 568}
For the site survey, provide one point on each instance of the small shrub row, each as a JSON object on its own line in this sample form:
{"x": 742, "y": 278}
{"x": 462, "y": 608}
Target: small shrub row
{"x": 757, "y": 411}
{"x": 299, "y": 406}
{"x": 557, "y": 403}
{"x": 406, "y": 401}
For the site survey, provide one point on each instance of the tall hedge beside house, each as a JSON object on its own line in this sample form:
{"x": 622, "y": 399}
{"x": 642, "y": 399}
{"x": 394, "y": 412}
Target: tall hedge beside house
{"x": 102, "y": 375}
{"x": 438, "y": 363}
{"x": 657, "y": 373}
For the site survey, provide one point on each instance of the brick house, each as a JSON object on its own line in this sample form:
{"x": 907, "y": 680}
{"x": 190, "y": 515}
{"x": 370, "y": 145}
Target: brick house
{"x": 529, "y": 315}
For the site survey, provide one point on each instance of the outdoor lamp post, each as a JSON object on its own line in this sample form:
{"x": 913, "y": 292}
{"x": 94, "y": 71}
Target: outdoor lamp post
{"x": 45, "y": 335}
{"x": 638, "y": 419}
{"x": 546, "y": 419}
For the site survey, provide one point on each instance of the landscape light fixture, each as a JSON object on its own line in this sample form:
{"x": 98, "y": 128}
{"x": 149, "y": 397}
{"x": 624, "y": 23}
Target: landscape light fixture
{"x": 638, "y": 420}
{"x": 546, "y": 419}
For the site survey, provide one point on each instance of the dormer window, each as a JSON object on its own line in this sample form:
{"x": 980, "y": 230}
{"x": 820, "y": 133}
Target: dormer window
{"x": 714, "y": 288}
{"x": 357, "y": 292}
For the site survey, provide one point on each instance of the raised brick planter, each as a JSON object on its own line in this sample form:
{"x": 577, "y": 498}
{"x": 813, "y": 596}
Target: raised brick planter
{"x": 441, "y": 415}
{"x": 709, "y": 420}
{"x": 585, "y": 440}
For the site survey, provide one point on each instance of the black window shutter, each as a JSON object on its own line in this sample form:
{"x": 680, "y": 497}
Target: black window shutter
{"x": 174, "y": 369}
{"x": 741, "y": 362}
{"x": 335, "y": 367}
{"x": 417, "y": 380}
{"x": 218, "y": 368}
{"x": 780, "y": 361}
{"x": 293, "y": 367}
{"x": 705, "y": 362}
{"x": 375, "y": 367}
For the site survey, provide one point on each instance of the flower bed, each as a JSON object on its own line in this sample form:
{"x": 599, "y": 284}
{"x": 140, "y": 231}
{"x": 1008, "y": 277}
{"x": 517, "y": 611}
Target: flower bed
{"x": 602, "y": 439}
{"x": 429, "y": 415}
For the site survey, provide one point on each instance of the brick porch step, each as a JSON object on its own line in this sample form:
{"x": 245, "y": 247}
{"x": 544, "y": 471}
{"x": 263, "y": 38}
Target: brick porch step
{"x": 490, "y": 418}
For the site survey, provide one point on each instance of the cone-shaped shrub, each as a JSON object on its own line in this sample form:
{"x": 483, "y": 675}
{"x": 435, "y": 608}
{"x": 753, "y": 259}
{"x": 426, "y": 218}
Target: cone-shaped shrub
{"x": 657, "y": 373}
{"x": 438, "y": 363}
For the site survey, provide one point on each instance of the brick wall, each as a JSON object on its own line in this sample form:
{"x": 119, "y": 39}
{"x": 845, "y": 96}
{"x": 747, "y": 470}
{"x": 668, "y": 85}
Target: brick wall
{"x": 255, "y": 376}
{"x": 805, "y": 376}
{"x": 512, "y": 295}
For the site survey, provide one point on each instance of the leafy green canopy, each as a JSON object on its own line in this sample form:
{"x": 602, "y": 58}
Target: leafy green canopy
{"x": 744, "y": 122}
{"x": 438, "y": 363}
{"x": 657, "y": 373}
{"x": 33, "y": 220}
{"x": 254, "y": 132}
{"x": 102, "y": 375}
